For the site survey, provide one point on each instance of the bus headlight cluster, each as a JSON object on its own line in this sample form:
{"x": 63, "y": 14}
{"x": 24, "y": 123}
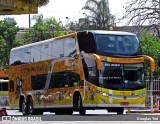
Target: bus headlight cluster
{"x": 133, "y": 93}
{"x": 141, "y": 95}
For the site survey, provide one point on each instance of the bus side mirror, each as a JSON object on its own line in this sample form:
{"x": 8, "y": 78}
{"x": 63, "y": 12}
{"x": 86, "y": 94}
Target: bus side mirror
{"x": 82, "y": 53}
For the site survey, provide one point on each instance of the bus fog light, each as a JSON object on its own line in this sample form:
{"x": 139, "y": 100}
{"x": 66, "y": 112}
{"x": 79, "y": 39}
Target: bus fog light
{"x": 143, "y": 102}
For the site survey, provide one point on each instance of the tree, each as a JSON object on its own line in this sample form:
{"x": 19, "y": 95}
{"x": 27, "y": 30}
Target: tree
{"x": 98, "y": 14}
{"x": 150, "y": 46}
{"x": 8, "y": 31}
{"x": 43, "y": 29}
{"x": 72, "y": 25}
{"x": 142, "y": 12}
{"x": 38, "y": 2}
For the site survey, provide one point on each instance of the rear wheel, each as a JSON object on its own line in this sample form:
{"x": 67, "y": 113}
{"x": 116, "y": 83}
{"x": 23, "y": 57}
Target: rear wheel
{"x": 24, "y": 107}
{"x": 30, "y": 106}
{"x": 77, "y": 104}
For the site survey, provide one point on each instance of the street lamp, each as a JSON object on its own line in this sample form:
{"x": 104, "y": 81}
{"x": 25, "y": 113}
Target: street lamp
{"x": 52, "y": 27}
{"x": 67, "y": 20}
{"x": 29, "y": 21}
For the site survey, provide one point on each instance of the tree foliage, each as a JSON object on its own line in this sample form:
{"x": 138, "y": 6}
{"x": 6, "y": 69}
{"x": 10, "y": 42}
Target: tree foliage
{"x": 150, "y": 46}
{"x": 43, "y": 29}
{"x": 144, "y": 12}
{"x": 38, "y": 2}
{"x": 98, "y": 14}
{"x": 8, "y": 31}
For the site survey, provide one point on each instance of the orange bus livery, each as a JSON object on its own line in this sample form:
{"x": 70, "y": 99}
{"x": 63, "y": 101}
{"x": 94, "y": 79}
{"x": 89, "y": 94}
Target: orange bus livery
{"x": 77, "y": 72}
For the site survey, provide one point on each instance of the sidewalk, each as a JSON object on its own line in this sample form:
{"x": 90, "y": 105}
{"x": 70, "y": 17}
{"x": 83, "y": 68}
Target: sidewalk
{"x": 139, "y": 110}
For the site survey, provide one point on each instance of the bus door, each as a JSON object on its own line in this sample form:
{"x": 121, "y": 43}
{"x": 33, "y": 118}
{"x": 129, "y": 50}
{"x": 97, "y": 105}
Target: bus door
{"x": 18, "y": 87}
{"x": 91, "y": 77}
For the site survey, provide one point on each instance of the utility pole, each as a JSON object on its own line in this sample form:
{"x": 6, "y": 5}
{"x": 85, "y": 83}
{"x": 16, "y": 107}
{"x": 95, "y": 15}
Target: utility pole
{"x": 29, "y": 21}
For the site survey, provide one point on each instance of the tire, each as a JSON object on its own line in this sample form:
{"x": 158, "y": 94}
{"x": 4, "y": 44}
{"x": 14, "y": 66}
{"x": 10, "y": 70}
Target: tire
{"x": 30, "y": 106}
{"x": 24, "y": 107}
{"x": 77, "y": 105}
{"x": 120, "y": 111}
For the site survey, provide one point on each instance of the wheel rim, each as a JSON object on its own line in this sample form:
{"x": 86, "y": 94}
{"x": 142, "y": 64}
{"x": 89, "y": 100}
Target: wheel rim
{"x": 30, "y": 107}
{"x": 23, "y": 107}
{"x": 79, "y": 102}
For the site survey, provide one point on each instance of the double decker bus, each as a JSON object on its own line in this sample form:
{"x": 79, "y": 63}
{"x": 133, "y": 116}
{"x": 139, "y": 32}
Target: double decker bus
{"x": 81, "y": 71}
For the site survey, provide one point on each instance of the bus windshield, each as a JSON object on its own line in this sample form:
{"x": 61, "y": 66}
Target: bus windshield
{"x": 127, "y": 45}
{"x": 122, "y": 76}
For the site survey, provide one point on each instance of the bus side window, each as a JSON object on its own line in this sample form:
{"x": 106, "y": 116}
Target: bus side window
{"x": 35, "y": 53}
{"x": 86, "y": 42}
{"x": 11, "y": 86}
{"x": 46, "y": 51}
{"x": 58, "y": 48}
{"x": 90, "y": 70}
{"x": 69, "y": 47}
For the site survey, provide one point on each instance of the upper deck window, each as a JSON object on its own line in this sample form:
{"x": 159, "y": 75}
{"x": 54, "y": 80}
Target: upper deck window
{"x": 118, "y": 45}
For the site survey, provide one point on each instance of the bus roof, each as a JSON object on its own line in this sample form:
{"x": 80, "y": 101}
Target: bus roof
{"x": 32, "y": 44}
{"x": 108, "y": 32}
{"x": 43, "y": 41}
{"x": 91, "y": 31}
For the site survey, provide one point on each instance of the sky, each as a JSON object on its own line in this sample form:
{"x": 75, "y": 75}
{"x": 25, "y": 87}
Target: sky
{"x": 60, "y": 9}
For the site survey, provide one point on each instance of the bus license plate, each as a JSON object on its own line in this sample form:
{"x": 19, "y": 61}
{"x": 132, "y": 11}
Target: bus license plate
{"x": 124, "y": 103}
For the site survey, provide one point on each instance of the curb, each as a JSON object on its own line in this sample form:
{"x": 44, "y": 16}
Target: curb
{"x": 138, "y": 112}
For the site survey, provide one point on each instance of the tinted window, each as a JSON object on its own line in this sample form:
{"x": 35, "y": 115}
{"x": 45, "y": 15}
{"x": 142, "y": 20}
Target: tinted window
{"x": 4, "y": 87}
{"x": 122, "y": 76}
{"x": 86, "y": 42}
{"x": 38, "y": 82}
{"x": 118, "y": 45}
{"x": 62, "y": 79}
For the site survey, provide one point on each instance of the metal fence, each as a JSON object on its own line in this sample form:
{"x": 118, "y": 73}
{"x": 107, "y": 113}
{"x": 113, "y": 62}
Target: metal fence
{"x": 153, "y": 91}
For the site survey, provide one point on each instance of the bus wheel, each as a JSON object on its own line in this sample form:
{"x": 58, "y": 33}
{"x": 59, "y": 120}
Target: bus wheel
{"x": 24, "y": 107}
{"x": 120, "y": 111}
{"x": 77, "y": 104}
{"x": 30, "y": 106}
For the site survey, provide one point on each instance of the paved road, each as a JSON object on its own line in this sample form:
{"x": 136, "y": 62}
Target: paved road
{"x": 97, "y": 115}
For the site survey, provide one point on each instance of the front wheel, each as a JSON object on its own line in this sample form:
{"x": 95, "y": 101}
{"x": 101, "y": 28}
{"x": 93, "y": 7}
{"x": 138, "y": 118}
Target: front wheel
{"x": 77, "y": 104}
{"x": 30, "y": 106}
